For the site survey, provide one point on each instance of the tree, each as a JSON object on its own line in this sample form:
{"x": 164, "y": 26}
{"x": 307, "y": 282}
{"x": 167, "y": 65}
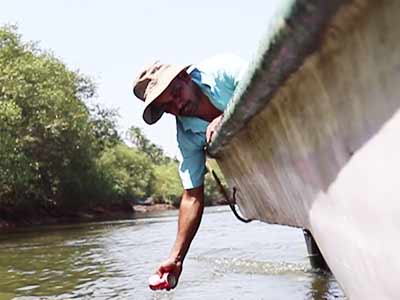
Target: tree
{"x": 104, "y": 126}
{"x": 167, "y": 185}
{"x": 142, "y": 143}
{"x": 128, "y": 173}
{"x": 47, "y": 122}
{"x": 13, "y": 170}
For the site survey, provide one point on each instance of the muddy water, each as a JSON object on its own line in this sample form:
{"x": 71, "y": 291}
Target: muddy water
{"x": 112, "y": 260}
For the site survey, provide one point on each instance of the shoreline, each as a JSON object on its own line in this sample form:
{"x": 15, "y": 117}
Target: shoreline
{"x": 12, "y": 219}
{"x": 139, "y": 208}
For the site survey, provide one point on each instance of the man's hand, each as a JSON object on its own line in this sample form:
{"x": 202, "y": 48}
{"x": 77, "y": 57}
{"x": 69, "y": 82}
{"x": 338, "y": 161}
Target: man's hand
{"x": 212, "y": 127}
{"x": 172, "y": 267}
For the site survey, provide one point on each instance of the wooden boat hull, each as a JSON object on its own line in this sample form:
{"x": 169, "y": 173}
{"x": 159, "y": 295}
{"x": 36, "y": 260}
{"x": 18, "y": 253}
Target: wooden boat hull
{"x": 324, "y": 151}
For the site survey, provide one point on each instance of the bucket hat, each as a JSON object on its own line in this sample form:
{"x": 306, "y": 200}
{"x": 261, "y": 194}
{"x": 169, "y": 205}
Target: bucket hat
{"x": 151, "y": 83}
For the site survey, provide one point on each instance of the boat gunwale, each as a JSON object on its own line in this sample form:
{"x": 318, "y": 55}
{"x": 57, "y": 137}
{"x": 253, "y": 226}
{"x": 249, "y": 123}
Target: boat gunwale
{"x": 294, "y": 35}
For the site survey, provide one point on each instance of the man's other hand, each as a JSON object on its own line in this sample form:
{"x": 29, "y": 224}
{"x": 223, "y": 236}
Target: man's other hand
{"x": 212, "y": 127}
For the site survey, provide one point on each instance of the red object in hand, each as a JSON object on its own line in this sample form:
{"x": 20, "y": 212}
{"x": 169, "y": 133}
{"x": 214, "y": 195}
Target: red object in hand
{"x": 167, "y": 281}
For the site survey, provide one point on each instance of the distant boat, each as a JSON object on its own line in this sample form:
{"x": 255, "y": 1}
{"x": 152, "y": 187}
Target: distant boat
{"x": 311, "y": 139}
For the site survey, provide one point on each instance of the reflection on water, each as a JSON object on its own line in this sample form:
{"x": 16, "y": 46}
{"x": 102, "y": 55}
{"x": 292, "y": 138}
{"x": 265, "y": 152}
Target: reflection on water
{"x": 51, "y": 262}
{"x": 112, "y": 260}
{"x": 323, "y": 286}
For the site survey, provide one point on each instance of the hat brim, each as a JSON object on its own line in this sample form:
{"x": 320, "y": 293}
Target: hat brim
{"x": 152, "y": 114}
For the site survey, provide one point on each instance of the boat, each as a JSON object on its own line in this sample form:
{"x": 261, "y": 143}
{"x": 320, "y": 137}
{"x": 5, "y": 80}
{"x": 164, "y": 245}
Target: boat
{"x": 311, "y": 138}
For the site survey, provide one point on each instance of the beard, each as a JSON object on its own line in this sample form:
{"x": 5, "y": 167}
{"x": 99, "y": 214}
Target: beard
{"x": 191, "y": 108}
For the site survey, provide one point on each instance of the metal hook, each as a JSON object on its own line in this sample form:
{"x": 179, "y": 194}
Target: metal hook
{"x": 230, "y": 202}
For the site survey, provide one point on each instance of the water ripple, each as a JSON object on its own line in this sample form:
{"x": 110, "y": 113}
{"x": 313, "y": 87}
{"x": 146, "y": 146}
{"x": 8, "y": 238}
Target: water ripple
{"x": 235, "y": 265}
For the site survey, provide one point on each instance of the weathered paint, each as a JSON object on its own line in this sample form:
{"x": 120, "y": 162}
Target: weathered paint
{"x": 324, "y": 152}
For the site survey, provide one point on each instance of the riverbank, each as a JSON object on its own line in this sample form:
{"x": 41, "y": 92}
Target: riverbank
{"x": 151, "y": 208}
{"x": 12, "y": 219}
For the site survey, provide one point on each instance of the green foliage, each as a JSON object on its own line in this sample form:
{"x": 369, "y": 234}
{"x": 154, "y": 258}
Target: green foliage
{"x": 142, "y": 143}
{"x": 167, "y": 184}
{"x": 104, "y": 126}
{"x": 13, "y": 163}
{"x": 47, "y": 122}
{"x": 128, "y": 172}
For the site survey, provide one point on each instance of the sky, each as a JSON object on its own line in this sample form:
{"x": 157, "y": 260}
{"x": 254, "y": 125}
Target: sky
{"x": 111, "y": 42}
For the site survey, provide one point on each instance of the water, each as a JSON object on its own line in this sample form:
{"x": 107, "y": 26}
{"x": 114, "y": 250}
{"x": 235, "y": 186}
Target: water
{"x": 113, "y": 260}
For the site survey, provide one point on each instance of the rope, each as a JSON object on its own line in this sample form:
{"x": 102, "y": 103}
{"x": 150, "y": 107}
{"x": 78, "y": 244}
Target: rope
{"x": 231, "y": 202}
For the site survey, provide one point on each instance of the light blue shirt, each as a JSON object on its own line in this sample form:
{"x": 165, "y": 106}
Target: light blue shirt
{"x": 217, "y": 77}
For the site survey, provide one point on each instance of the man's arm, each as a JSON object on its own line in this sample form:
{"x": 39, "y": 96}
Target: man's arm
{"x": 190, "y": 213}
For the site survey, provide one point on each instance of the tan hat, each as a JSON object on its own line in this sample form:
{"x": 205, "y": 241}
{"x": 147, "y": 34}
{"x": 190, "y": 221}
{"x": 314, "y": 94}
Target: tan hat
{"x": 151, "y": 83}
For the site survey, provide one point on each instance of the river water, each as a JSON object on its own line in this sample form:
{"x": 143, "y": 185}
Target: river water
{"x": 113, "y": 260}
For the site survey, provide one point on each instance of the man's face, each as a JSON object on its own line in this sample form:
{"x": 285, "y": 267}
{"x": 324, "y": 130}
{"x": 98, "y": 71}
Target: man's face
{"x": 181, "y": 98}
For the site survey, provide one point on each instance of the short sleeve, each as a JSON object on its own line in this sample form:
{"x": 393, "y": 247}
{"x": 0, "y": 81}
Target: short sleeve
{"x": 192, "y": 159}
{"x": 219, "y": 77}
{"x": 227, "y": 65}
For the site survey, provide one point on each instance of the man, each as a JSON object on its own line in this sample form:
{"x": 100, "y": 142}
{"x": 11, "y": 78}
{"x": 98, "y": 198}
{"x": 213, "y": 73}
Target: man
{"x": 197, "y": 95}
